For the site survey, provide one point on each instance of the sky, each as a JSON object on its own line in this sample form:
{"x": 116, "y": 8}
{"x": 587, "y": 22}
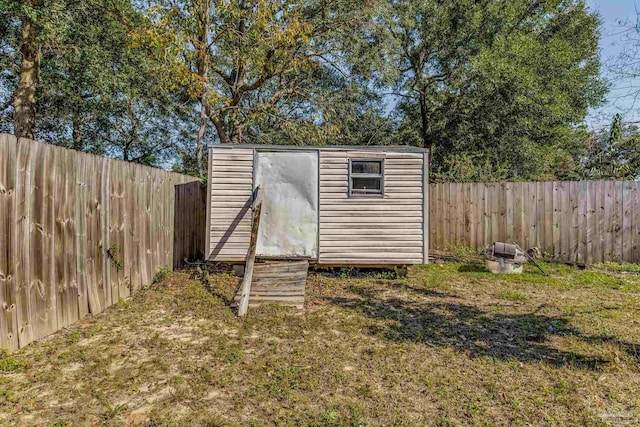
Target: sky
{"x": 619, "y": 100}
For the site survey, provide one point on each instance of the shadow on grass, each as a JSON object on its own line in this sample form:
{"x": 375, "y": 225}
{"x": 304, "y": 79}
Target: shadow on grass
{"x": 370, "y": 292}
{"x": 421, "y": 291}
{"x": 471, "y": 331}
{"x": 632, "y": 349}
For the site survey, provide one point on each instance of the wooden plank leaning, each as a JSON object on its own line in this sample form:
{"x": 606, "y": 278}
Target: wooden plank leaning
{"x": 245, "y": 289}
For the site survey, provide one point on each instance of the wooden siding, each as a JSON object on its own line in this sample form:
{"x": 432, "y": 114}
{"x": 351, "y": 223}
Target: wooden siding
{"x": 77, "y": 233}
{"x": 582, "y": 222}
{"x": 231, "y": 189}
{"x": 375, "y": 229}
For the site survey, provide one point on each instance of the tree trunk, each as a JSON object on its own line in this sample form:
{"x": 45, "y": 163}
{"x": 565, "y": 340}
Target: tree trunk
{"x": 220, "y": 129}
{"x": 24, "y": 99}
{"x": 239, "y": 135}
{"x": 77, "y": 136}
{"x": 200, "y": 140}
{"x": 202, "y": 60}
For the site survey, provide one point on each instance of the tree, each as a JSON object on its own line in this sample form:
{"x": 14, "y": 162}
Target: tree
{"x": 178, "y": 33}
{"x": 241, "y": 59}
{"x": 94, "y": 93}
{"x": 99, "y": 95}
{"x": 497, "y": 88}
{"x": 614, "y": 155}
{"x": 40, "y": 25}
{"x": 330, "y": 108}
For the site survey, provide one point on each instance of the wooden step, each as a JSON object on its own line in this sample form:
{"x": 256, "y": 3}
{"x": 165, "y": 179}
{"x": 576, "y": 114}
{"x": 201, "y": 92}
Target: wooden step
{"x": 281, "y": 281}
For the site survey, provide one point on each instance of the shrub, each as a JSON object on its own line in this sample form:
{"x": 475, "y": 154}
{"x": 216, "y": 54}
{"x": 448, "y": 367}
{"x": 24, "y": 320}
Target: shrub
{"x": 161, "y": 275}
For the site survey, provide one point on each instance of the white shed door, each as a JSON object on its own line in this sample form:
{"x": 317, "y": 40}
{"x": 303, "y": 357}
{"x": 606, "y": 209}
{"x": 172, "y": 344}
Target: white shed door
{"x": 289, "y": 224}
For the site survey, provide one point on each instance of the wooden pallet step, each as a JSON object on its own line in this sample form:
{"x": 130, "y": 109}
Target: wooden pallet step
{"x": 281, "y": 281}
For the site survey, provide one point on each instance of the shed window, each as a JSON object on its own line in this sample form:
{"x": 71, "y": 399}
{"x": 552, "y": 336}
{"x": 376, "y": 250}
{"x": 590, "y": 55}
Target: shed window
{"x": 366, "y": 177}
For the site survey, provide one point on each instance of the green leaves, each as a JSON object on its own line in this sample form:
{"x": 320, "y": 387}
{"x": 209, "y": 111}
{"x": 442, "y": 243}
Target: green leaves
{"x": 234, "y": 57}
{"x": 614, "y": 154}
{"x": 497, "y": 88}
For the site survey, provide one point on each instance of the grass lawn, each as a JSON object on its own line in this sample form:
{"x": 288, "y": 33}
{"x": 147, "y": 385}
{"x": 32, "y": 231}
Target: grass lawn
{"x": 446, "y": 345}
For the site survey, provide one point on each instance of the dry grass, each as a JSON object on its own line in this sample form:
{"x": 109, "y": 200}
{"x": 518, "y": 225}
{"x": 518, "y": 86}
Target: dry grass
{"x": 448, "y": 345}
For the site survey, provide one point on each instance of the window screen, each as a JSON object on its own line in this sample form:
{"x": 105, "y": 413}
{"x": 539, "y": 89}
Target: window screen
{"x": 366, "y": 177}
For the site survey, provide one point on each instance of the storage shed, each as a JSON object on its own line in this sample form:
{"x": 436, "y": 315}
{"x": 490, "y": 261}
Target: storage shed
{"x": 333, "y": 205}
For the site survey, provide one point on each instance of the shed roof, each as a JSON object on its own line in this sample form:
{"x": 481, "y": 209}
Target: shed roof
{"x": 383, "y": 148}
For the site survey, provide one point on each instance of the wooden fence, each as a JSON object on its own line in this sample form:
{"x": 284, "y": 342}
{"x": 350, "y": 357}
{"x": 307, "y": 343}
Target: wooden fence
{"x": 583, "y": 222}
{"x": 190, "y": 223}
{"x": 77, "y": 233}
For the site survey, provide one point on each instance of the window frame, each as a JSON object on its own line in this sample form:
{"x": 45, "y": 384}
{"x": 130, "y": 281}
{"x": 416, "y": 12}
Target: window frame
{"x": 358, "y": 193}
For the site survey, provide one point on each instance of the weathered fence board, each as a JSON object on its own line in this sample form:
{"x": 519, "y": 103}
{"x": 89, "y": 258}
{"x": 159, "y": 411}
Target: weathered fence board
{"x": 189, "y": 222}
{"x": 77, "y": 233}
{"x": 581, "y": 222}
